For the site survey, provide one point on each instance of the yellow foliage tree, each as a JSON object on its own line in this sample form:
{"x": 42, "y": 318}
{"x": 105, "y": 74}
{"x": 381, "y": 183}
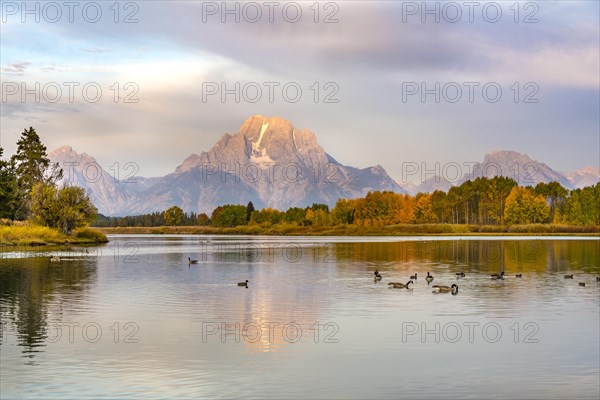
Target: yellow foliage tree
{"x": 524, "y": 207}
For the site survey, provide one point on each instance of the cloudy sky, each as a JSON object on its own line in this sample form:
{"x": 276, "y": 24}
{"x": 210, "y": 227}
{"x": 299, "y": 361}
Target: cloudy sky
{"x": 361, "y": 66}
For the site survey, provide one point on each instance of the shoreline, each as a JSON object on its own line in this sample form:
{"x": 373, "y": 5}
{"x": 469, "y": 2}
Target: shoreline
{"x": 393, "y": 230}
{"x": 41, "y": 236}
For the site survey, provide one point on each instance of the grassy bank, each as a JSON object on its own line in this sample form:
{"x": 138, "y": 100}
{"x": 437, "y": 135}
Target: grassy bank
{"x": 31, "y": 235}
{"x": 356, "y": 230}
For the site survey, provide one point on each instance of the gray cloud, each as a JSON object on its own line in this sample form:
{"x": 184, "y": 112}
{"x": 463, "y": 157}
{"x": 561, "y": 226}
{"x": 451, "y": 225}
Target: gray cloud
{"x": 369, "y": 54}
{"x": 15, "y": 68}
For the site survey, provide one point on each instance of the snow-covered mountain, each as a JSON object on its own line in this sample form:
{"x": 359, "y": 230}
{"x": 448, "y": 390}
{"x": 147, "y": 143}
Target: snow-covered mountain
{"x": 268, "y": 162}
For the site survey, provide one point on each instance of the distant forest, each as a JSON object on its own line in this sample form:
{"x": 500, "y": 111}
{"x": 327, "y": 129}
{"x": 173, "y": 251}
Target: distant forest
{"x": 484, "y": 201}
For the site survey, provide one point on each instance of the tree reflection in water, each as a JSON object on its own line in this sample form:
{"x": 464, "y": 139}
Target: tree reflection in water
{"x": 32, "y": 288}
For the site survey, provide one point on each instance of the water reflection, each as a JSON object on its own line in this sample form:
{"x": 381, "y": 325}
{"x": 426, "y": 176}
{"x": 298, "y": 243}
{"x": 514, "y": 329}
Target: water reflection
{"x": 198, "y": 334}
{"x": 33, "y": 287}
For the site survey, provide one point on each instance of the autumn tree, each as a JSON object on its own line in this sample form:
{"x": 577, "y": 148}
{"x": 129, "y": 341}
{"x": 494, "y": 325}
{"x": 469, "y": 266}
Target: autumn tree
{"x": 65, "y": 209}
{"x": 203, "y": 219}
{"x": 174, "y": 216}
{"x": 295, "y": 215}
{"x": 523, "y": 207}
{"x": 229, "y": 216}
{"x": 267, "y": 217}
{"x": 556, "y": 196}
{"x": 424, "y": 209}
{"x": 343, "y": 212}
{"x": 583, "y": 206}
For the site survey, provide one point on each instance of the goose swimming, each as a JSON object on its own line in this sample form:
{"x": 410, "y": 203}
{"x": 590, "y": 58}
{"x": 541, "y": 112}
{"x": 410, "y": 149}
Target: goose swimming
{"x": 399, "y": 285}
{"x": 429, "y": 278}
{"x": 445, "y": 289}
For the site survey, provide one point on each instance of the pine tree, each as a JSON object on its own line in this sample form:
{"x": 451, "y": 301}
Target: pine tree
{"x": 32, "y": 166}
{"x": 249, "y": 211}
{"x": 8, "y": 189}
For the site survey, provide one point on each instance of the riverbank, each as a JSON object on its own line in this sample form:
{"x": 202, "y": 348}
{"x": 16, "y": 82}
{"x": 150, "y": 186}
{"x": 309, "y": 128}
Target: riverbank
{"x": 43, "y": 236}
{"x": 356, "y": 230}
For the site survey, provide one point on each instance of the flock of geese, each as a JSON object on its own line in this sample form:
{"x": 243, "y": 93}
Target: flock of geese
{"x": 429, "y": 278}
{"x": 399, "y": 285}
{"x": 454, "y": 288}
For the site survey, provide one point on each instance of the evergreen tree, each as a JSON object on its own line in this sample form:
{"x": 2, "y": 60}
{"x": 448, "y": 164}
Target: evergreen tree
{"x": 32, "y": 166}
{"x": 249, "y": 211}
{"x": 9, "y": 198}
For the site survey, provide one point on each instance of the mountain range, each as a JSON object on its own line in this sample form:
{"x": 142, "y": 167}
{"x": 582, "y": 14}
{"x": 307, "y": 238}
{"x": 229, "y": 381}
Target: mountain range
{"x": 273, "y": 164}
{"x": 520, "y": 167}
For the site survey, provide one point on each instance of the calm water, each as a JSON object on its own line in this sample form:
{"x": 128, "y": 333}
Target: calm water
{"x": 133, "y": 319}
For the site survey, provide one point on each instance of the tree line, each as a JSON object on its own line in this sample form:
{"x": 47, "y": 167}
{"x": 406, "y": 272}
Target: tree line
{"x": 29, "y": 189}
{"x": 483, "y": 201}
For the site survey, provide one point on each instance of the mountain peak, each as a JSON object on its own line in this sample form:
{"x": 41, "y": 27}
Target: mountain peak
{"x": 505, "y": 155}
{"x": 589, "y": 170}
{"x": 268, "y": 162}
{"x": 585, "y": 176}
{"x": 67, "y": 153}
{"x": 62, "y": 150}
{"x": 261, "y": 131}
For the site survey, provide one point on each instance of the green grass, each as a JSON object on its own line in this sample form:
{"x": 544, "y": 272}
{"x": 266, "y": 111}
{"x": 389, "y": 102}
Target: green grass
{"x": 33, "y": 235}
{"x": 357, "y": 230}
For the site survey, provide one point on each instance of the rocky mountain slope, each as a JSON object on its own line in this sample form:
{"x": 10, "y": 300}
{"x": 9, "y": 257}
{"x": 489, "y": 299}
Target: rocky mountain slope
{"x": 268, "y": 162}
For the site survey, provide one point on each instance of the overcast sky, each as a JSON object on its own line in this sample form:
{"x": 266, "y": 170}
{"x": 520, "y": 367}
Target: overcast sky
{"x": 371, "y": 57}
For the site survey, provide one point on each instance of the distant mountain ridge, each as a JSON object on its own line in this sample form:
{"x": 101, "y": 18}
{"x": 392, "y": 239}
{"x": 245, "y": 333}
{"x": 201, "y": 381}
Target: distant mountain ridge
{"x": 518, "y": 166}
{"x": 273, "y": 164}
{"x": 268, "y": 162}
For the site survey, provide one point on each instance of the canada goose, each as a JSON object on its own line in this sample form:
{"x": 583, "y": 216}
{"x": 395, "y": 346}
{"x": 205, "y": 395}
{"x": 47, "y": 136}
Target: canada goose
{"x": 243, "y": 283}
{"x": 190, "y": 261}
{"x": 376, "y": 272}
{"x": 398, "y": 285}
{"x": 413, "y": 276}
{"x": 55, "y": 259}
{"x": 429, "y": 278}
{"x": 445, "y": 289}
{"x": 598, "y": 279}
{"x": 581, "y": 283}
{"x": 459, "y": 275}
{"x": 569, "y": 276}
{"x": 498, "y": 276}
{"x": 378, "y": 277}
{"x": 518, "y": 275}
